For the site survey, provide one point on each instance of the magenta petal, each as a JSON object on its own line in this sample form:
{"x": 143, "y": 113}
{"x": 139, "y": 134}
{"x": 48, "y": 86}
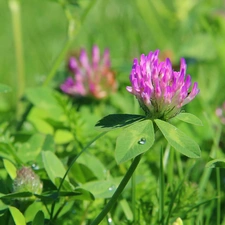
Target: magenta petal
{"x": 67, "y": 85}
{"x": 95, "y": 56}
{"x": 73, "y": 65}
{"x": 106, "y": 58}
{"x": 183, "y": 65}
{"x": 129, "y": 89}
{"x": 84, "y": 59}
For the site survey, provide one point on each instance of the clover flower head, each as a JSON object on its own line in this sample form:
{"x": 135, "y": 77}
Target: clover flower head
{"x": 160, "y": 90}
{"x": 27, "y": 181}
{"x": 220, "y": 112}
{"x": 90, "y": 78}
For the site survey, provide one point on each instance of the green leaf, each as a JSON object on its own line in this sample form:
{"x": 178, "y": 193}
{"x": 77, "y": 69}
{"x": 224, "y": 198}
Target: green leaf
{"x": 100, "y": 189}
{"x": 189, "y": 118}
{"x": 16, "y": 195}
{"x": 39, "y": 218}
{"x": 4, "y": 88}
{"x": 32, "y": 148}
{"x": 10, "y": 168}
{"x": 93, "y": 163}
{"x": 81, "y": 173}
{"x": 17, "y": 216}
{"x": 44, "y": 98}
{"x": 37, "y": 117}
{"x": 216, "y": 163}
{"x": 53, "y": 166}
{"x": 48, "y": 144}
{"x": 114, "y": 121}
{"x": 8, "y": 152}
{"x": 63, "y": 136}
{"x": 179, "y": 140}
{"x": 84, "y": 195}
{"x": 66, "y": 186}
{"x": 134, "y": 140}
{"x": 33, "y": 209}
{"x": 78, "y": 193}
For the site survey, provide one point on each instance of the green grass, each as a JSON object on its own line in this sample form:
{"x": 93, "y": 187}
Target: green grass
{"x": 191, "y": 29}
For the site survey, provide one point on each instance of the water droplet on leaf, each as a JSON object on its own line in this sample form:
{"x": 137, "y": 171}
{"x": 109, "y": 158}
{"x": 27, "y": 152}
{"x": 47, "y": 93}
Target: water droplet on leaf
{"x": 110, "y": 220}
{"x": 112, "y": 188}
{"x": 35, "y": 166}
{"x": 142, "y": 141}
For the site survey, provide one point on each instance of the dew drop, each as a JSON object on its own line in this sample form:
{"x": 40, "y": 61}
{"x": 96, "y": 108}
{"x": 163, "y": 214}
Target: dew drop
{"x": 112, "y": 188}
{"x": 35, "y": 166}
{"x": 142, "y": 141}
{"x": 110, "y": 220}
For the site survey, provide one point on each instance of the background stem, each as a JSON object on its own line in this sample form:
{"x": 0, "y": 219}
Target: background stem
{"x": 14, "y": 6}
{"x": 218, "y": 209}
{"x": 57, "y": 62}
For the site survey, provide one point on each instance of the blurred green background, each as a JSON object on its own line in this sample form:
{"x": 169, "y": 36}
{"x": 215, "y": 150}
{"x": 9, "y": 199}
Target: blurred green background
{"x": 194, "y": 29}
{"x": 188, "y": 28}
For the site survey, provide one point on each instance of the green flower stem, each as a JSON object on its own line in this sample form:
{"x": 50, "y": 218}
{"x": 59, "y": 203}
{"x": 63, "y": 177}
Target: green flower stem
{"x": 118, "y": 191}
{"x": 133, "y": 190}
{"x": 14, "y": 6}
{"x": 161, "y": 189}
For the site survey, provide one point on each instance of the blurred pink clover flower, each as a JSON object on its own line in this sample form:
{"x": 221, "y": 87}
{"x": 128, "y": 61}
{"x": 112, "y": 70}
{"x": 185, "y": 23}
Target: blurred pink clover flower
{"x": 91, "y": 78}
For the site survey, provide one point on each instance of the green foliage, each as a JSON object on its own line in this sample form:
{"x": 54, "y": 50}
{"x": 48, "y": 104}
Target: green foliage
{"x": 179, "y": 140}
{"x": 56, "y": 136}
{"x": 39, "y": 218}
{"x": 53, "y": 166}
{"x": 134, "y": 140}
{"x": 216, "y": 163}
{"x": 4, "y": 88}
{"x": 116, "y": 121}
{"x": 189, "y": 118}
{"x": 17, "y": 216}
